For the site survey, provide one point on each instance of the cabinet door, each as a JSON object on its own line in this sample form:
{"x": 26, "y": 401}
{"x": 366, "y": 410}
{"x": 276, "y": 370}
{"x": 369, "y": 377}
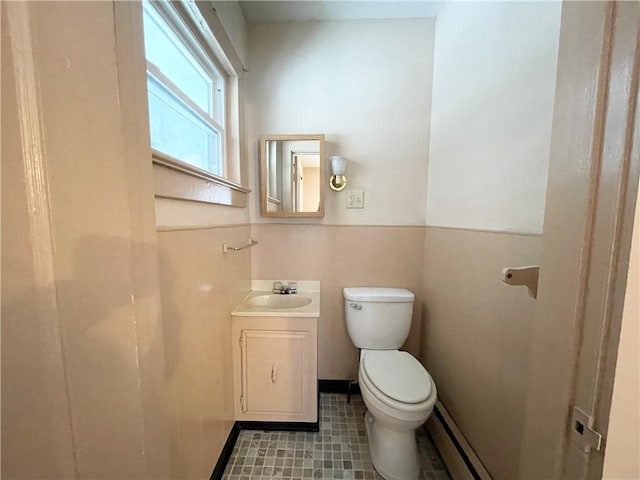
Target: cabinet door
{"x": 274, "y": 373}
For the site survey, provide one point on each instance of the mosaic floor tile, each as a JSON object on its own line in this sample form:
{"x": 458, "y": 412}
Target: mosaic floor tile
{"x": 338, "y": 451}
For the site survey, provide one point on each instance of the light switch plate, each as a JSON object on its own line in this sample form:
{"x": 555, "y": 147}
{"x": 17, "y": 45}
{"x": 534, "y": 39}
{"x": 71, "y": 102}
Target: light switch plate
{"x": 355, "y": 199}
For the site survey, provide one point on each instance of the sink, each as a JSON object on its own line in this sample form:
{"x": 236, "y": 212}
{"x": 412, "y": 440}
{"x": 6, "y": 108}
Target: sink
{"x": 278, "y": 302}
{"x": 262, "y": 302}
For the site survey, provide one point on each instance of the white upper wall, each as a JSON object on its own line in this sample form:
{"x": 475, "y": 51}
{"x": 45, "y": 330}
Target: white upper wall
{"x": 493, "y": 92}
{"x": 304, "y": 10}
{"x": 365, "y": 84}
{"x": 234, "y": 23}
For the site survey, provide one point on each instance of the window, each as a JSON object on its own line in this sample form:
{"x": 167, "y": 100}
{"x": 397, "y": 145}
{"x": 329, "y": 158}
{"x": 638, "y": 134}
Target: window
{"x": 187, "y": 93}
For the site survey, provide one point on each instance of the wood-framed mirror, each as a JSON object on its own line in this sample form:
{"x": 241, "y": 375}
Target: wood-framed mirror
{"x": 292, "y": 176}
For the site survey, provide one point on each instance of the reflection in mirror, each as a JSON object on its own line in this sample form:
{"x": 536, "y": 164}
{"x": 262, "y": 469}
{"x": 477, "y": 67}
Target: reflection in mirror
{"x": 292, "y": 175}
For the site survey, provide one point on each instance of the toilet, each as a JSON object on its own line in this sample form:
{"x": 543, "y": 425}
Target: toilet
{"x": 398, "y": 392}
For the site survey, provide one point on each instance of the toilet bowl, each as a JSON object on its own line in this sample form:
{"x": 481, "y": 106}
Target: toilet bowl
{"x": 399, "y": 395}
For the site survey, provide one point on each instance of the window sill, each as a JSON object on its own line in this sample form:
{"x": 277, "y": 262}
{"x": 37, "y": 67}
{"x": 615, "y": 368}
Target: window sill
{"x": 178, "y": 180}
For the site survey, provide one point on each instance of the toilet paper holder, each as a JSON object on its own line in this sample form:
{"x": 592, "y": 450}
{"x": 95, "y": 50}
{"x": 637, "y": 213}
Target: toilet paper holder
{"x": 527, "y": 276}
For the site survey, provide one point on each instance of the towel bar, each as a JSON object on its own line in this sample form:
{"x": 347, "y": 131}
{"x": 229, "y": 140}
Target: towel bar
{"x": 227, "y": 248}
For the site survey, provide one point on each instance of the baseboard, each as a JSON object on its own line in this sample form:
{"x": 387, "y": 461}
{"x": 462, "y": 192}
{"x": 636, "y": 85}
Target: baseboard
{"x": 338, "y": 386}
{"x": 227, "y": 450}
{"x": 280, "y": 426}
{"x": 460, "y": 459}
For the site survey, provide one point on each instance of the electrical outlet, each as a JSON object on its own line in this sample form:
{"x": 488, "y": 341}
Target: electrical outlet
{"x": 355, "y": 199}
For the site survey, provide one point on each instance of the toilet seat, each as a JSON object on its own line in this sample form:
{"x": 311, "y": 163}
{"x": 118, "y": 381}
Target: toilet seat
{"x": 398, "y": 375}
{"x": 397, "y": 379}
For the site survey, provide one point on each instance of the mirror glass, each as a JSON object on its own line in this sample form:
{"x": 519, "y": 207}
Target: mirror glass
{"x": 292, "y": 183}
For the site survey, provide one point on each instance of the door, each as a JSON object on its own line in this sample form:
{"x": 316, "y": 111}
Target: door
{"x": 591, "y": 193}
{"x": 274, "y": 380}
{"x": 296, "y": 174}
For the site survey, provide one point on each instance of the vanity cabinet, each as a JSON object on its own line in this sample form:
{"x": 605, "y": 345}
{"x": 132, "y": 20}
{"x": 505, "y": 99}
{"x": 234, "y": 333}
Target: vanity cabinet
{"x": 275, "y": 369}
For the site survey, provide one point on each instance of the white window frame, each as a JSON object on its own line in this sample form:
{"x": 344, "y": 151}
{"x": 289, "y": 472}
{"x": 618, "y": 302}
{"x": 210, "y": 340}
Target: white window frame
{"x": 193, "y": 183}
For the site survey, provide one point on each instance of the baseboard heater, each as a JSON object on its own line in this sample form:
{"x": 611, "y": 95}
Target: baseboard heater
{"x": 457, "y": 454}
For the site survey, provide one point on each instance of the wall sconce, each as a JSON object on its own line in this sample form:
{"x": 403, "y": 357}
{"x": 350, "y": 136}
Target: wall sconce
{"x": 338, "y": 181}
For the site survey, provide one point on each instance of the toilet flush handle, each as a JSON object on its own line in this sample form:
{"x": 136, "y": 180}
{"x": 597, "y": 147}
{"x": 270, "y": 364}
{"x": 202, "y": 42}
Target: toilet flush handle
{"x": 357, "y": 306}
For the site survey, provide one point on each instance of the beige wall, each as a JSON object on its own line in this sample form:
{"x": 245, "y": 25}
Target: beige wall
{"x": 366, "y": 85}
{"x": 341, "y": 256}
{"x": 476, "y": 336}
{"x": 621, "y": 458}
{"x": 82, "y": 352}
{"x": 200, "y": 286}
{"x": 36, "y": 423}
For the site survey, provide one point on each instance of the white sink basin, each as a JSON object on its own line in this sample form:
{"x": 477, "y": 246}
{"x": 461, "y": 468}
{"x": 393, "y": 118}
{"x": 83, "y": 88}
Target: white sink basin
{"x": 261, "y": 302}
{"x": 278, "y": 302}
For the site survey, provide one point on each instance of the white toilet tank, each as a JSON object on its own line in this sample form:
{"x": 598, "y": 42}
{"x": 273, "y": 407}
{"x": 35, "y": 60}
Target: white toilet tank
{"x": 378, "y": 318}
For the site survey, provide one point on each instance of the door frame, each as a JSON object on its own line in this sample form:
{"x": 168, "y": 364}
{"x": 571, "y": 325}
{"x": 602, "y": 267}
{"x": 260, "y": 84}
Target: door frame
{"x": 591, "y": 196}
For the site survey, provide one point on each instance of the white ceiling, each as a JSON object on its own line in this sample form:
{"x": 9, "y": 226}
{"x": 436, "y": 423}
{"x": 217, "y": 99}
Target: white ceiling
{"x": 300, "y": 11}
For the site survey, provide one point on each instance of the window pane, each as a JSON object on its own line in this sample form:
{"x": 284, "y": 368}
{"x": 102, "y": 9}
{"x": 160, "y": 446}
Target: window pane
{"x": 179, "y": 132}
{"x": 164, "y": 49}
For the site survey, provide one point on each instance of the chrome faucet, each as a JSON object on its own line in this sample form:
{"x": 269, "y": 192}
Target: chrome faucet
{"x": 291, "y": 288}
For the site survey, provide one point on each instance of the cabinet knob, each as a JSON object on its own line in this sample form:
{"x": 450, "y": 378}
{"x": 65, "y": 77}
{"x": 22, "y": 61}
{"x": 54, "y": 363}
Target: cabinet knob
{"x": 274, "y": 373}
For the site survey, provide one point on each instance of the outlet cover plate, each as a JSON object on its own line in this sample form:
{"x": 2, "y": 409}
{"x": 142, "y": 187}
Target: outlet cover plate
{"x": 355, "y": 199}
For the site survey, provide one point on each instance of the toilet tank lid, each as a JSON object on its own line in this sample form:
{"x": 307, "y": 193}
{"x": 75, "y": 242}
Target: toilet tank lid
{"x": 378, "y": 294}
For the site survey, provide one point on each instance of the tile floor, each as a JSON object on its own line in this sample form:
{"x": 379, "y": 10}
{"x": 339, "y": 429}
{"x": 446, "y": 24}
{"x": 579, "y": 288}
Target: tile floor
{"x": 338, "y": 451}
